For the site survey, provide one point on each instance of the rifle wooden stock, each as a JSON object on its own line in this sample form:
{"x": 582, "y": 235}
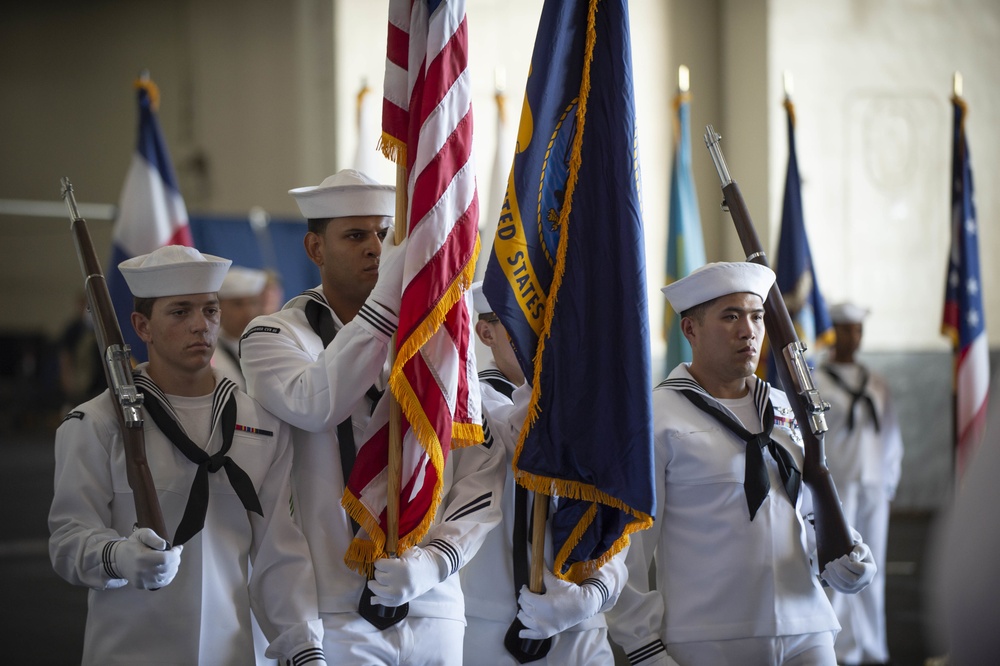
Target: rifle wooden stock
{"x": 833, "y": 535}
{"x": 118, "y": 372}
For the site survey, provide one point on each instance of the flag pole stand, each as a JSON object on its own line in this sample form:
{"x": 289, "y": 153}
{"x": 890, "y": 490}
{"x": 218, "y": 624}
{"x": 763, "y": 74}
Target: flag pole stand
{"x": 376, "y": 614}
{"x": 527, "y": 650}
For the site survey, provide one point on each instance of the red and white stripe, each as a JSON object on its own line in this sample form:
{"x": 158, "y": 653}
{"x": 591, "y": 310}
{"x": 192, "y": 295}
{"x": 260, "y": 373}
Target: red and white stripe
{"x": 972, "y": 384}
{"x": 427, "y": 125}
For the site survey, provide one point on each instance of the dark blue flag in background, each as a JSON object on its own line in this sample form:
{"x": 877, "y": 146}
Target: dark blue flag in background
{"x": 567, "y": 278}
{"x": 796, "y": 276}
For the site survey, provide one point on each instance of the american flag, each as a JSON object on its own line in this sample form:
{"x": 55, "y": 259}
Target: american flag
{"x": 964, "y": 321}
{"x": 426, "y": 126}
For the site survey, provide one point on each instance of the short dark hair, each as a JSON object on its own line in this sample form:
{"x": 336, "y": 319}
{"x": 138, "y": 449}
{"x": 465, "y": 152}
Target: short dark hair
{"x": 143, "y": 306}
{"x": 317, "y": 225}
{"x": 697, "y": 312}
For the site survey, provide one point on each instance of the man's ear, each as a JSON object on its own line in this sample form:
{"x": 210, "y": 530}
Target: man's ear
{"x": 140, "y": 323}
{"x": 485, "y": 333}
{"x": 313, "y": 244}
{"x": 688, "y": 328}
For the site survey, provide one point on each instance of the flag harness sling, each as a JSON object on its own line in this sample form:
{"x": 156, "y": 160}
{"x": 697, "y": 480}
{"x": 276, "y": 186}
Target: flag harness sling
{"x": 322, "y": 324}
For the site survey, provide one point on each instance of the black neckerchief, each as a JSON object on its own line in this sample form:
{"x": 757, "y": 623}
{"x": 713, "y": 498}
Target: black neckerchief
{"x": 321, "y": 321}
{"x": 756, "y": 484}
{"x": 498, "y": 381}
{"x": 159, "y": 409}
{"x": 856, "y": 396}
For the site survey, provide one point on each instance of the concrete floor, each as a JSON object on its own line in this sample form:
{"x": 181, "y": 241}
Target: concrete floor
{"x": 42, "y": 617}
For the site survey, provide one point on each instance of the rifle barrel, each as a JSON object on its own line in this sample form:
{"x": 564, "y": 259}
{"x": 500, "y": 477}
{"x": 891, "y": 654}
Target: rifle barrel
{"x": 118, "y": 372}
{"x": 833, "y": 537}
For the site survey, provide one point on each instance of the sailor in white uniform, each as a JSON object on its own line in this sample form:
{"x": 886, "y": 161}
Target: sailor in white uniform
{"x": 221, "y": 466}
{"x": 241, "y": 298}
{"x": 320, "y": 364}
{"x": 491, "y": 591}
{"x": 733, "y": 577}
{"x": 864, "y": 451}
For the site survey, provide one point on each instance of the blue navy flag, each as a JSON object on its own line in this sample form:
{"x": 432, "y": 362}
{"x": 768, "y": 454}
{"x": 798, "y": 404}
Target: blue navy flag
{"x": 796, "y": 277}
{"x": 151, "y": 212}
{"x": 567, "y": 278}
{"x": 964, "y": 320}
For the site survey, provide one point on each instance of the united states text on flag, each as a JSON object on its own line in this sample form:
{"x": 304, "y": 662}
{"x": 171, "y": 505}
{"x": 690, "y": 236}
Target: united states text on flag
{"x": 426, "y": 126}
{"x": 151, "y": 212}
{"x": 964, "y": 321}
{"x": 685, "y": 247}
{"x": 567, "y": 277}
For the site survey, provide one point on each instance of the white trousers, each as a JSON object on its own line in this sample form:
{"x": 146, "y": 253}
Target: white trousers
{"x": 862, "y": 638}
{"x": 800, "y": 650}
{"x": 349, "y": 640}
{"x": 484, "y": 647}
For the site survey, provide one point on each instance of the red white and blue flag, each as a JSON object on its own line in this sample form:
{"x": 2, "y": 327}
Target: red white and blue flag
{"x": 151, "y": 212}
{"x": 426, "y": 126}
{"x": 964, "y": 321}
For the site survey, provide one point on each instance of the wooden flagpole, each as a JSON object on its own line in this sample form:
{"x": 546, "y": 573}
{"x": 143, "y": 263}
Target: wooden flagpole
{"x": 540, "y": 514}
{"x": 395, "y": 465}
{"x": 376, "y": 614}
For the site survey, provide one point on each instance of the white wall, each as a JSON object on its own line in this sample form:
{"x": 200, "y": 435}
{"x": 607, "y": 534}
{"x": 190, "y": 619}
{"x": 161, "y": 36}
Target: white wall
{"x": 259, "y": 97}
{"x": 872, "y": 82}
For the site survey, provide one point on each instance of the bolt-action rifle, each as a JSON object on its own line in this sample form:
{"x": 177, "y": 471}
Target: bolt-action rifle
{"x": 117, "y": 361}
{"x": 833, "y": 536}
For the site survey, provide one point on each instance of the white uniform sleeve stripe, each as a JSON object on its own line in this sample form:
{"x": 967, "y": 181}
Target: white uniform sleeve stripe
{"x": 449, "y": 551}
{"x": 470, "y": 507}
{"x": 646, "y": 652}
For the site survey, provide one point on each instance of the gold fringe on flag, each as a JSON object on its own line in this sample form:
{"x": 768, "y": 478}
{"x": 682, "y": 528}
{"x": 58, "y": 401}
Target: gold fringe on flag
{"x": 361, "y": 554}
{"x": 393, "y": 149}
{"x": 146, "y": 83}
{"x": 564, "y": 487}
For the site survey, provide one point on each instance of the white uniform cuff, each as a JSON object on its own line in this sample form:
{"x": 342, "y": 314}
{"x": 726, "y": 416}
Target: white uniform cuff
{"x": 380, "y": 321}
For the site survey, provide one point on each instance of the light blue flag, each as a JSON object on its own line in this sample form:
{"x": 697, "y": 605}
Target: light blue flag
{"x": 685, "y": 247}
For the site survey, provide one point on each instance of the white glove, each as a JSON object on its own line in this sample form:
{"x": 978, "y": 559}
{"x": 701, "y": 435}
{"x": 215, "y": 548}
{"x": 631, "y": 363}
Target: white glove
{"x": 388, "y": 289}
{"x": 853, "y": 572}
{"x": 563, "y": 605}
{"x": 401, "y": 579}
{"x": 143, "y": 561}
